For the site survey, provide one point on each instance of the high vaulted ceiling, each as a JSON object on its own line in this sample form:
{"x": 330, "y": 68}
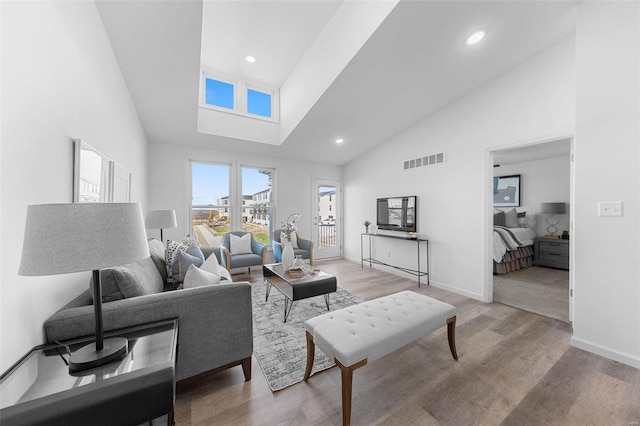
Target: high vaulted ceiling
{"x": 413, "y": 65}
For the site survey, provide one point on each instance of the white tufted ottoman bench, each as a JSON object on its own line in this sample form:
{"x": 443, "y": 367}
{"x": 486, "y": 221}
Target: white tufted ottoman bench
{"x": 355, "y": 335}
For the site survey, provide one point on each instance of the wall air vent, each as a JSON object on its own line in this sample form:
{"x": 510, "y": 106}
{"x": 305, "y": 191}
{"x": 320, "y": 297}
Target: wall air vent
{"x": 428, "y": 160}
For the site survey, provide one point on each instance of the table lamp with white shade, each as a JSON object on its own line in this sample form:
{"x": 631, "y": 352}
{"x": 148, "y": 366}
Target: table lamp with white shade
{"x": 158, "y": 219}
{"x": 66, "y": 238}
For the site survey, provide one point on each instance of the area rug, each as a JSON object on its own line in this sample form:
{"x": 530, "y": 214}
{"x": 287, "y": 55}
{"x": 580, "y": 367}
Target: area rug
{"x": 281, "y": 348}
{"x": 540, "y": 290}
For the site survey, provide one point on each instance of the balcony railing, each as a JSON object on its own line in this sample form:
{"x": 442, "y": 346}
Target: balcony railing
{"x": 326, "y": 235}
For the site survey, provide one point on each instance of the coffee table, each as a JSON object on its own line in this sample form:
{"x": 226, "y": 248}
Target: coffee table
{"x": 316, "y": 284}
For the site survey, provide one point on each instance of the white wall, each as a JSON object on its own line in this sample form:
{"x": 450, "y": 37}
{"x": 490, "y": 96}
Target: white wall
{"x": 60, "y": 80}
{"x": 542, "y": 181}
{"x": 607, "y": 164}
{"x": 170, "y": 182}
{"x": 533, "y": 101}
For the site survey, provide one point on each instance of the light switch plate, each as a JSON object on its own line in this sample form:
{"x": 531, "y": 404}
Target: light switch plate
{"x": 610, "y": 208}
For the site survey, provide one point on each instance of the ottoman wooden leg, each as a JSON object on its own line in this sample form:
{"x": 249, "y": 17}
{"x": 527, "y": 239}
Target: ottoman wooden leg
{"x": 347, "y": 386}
{"x": 311, "y": 353}
{"x": 451, "y": 334}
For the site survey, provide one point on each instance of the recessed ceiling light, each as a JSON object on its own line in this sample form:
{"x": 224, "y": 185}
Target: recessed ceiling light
{"x": 250, "y": 59}
{"x": 475, "y": 37}
{"x": 339, "y": 140}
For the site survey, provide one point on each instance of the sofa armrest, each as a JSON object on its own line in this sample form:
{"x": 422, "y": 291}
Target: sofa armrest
{"x": 215, "y": 323}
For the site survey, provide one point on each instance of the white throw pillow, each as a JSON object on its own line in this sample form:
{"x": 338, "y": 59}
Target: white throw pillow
{"x": 197, "y": 277}
{"x": 294, "y": 240}
{"x": 211, "y": 265}
{"x": 240, "y": 245}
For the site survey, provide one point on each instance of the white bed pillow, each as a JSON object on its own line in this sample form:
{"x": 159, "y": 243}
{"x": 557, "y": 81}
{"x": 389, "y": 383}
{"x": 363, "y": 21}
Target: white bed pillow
{"x": 240, "y": 245}
{"x": 197, "y": 277}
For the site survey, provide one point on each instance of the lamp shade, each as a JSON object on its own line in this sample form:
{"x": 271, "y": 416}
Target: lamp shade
{"x": 552, "y": 208}
{"x": 158, "y": 219}
{"x": 65, "y": 238}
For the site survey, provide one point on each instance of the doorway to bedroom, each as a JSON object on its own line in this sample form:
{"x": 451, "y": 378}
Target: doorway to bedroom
{"x": 531, "y": 236}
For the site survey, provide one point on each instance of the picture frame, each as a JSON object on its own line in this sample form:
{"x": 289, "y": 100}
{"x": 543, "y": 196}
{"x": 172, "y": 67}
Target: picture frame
{"x": 506, "y": 191}
{"x": 97, "y": 178}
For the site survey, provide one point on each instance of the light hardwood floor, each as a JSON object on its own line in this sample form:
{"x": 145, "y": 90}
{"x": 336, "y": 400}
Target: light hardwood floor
{"x": 514, "y": 368}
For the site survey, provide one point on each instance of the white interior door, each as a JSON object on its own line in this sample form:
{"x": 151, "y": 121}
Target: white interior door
{"x": 327, "y": 218}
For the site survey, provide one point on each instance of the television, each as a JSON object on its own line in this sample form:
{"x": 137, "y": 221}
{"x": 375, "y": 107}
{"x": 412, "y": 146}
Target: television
{"x": 397, "y": 213}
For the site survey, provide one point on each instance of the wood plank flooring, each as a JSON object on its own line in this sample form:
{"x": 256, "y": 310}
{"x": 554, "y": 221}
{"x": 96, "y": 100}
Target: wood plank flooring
{"x": 515, "y": 368}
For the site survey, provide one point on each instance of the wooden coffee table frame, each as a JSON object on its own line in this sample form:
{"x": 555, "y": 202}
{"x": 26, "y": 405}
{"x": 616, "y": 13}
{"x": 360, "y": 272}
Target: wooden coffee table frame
{"x": 294, "y": 289}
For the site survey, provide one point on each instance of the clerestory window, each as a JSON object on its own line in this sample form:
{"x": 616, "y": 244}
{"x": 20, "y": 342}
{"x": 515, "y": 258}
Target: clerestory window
{"x": 240, "y": 97}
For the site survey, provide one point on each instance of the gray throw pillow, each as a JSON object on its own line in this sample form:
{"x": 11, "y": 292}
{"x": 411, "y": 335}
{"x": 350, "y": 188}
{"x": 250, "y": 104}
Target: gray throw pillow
{"x": 511, "y": 219}
{"x": 131, "y": 280}
{"x": 156, "y": 249}
{"x": 498, "y": 218}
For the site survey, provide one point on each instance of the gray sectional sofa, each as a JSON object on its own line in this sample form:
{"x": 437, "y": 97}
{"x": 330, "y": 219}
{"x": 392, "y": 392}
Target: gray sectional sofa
{"x": 215, "y": 325}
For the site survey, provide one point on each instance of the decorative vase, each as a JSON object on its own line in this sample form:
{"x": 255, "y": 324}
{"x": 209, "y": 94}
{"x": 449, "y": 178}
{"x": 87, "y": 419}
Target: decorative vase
{"x": 287, "y": 256}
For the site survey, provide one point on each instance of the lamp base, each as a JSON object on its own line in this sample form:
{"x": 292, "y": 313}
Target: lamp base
{"x": 88, "y": 357}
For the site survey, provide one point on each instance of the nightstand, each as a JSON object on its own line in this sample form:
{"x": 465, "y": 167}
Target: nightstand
{"x": 39, "y": 389}
{"x": 551, "y": 253}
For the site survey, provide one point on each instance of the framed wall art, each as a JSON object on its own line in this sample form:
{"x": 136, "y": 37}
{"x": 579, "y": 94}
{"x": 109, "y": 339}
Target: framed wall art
{"x": 506, "y": 191}
{"x": 97, "y": 178}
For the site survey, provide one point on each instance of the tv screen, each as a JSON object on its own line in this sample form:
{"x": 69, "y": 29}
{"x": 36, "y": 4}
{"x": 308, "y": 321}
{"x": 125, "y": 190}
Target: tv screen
{"x": 397, "y": 213}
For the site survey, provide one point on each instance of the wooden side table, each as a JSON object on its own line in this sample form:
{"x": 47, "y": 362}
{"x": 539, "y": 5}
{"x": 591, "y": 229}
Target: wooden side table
{"x": 551, "y": 253}
{"x": 39, "y": 389}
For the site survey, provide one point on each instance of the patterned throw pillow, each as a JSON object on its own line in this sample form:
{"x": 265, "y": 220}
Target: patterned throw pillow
{"x": 188, "y": 245}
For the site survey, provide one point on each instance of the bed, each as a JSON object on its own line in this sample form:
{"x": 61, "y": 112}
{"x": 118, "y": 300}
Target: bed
{"x": 512, "y": 249}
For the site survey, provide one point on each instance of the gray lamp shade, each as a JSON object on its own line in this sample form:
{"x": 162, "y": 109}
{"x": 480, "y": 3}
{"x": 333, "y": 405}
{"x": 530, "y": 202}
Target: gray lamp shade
{"x": 552, "y": 208}
{"x": 65, "y": 238}
{"x": 158, "y": 219}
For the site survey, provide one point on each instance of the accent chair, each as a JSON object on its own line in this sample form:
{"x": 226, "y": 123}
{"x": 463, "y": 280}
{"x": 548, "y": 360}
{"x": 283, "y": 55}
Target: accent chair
{"x": 305, "y": 247}
{"x": 254, "y": 257}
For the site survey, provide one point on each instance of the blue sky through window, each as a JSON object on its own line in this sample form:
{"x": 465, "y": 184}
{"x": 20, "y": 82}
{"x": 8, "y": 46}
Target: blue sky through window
{"x": 219, "y": 93}
{"x": 210, "y": 182}
{"x": 253, "y": 181}
{"x": 259, "y": 103}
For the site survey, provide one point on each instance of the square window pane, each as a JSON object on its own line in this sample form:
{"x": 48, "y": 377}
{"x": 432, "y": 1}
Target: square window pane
{"x": 259, "y": 103}
{"x": 257, "y": 211}
{"x": 210, "y": 215}
{"x": 219, "y": 93}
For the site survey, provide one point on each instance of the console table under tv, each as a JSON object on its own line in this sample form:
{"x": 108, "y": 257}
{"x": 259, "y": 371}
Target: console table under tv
{"x": 415, "y": 272}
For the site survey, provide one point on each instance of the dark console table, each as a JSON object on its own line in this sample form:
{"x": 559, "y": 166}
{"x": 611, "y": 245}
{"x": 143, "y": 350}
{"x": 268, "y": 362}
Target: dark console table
{"x": 415, "y": 272}
{"x": 140, "y": 387}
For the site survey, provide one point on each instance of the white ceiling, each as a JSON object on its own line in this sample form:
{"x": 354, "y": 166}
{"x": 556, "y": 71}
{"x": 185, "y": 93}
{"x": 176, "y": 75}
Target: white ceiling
{"x": 231, "y": 30}
{"x": 412, "y": 66}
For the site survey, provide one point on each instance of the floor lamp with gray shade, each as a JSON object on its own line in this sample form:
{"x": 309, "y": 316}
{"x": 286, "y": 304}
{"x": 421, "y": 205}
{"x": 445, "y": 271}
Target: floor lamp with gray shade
{"x": 158, "y": 219}
{"x": 66, "y": 238}
{"x": 552, "y": 223}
